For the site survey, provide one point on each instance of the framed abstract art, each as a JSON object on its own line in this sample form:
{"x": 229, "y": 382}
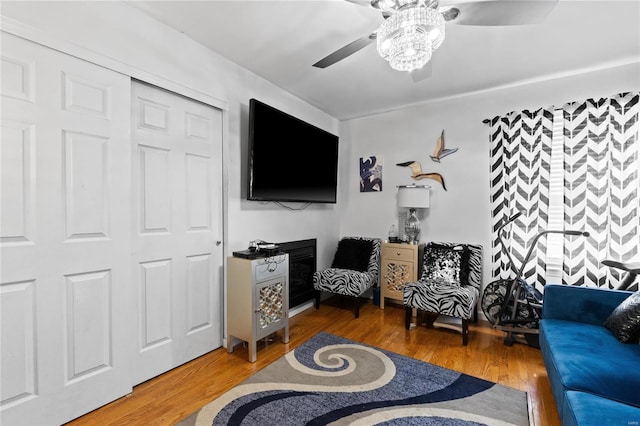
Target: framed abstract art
{"x": 371, "y": 174}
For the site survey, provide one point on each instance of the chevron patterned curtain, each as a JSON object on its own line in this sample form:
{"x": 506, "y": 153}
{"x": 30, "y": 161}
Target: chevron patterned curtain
{"x": 520, "y": 166}
{"x": 601, "y": 184}
{"x": 570, "y": 168}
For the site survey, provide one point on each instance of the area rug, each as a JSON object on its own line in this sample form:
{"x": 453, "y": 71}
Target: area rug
{"x": 329, "y": 380}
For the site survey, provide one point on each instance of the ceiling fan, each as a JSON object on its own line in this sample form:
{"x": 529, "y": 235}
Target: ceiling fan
{"x": 413, "y": 29}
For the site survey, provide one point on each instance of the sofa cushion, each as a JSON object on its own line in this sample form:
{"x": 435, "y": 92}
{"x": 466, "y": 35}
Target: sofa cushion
{"x": 589, "y": 305}
{"x": 585, "y": 409}
{"x": 624, "y": 321}
{"x": 589, "y": 358}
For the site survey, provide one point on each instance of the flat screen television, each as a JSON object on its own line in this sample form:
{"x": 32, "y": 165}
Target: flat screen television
{"x": 289, "y": 159}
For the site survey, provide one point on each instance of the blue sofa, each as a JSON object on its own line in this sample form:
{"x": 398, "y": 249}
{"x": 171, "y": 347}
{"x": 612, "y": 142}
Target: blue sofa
{"x": 595, "y": 379}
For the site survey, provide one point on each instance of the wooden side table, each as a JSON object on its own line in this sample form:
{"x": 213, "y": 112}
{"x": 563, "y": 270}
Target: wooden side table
{"x": 400, "y": 264}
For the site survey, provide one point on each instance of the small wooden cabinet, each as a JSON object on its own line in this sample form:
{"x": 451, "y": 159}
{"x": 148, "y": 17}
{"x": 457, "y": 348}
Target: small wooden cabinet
{"x": 400, "y": 264}
{"x": 257, "y": 300}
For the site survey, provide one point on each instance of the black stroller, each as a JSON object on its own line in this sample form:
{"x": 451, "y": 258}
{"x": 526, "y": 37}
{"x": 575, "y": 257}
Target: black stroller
{"x": 513, "y": 305}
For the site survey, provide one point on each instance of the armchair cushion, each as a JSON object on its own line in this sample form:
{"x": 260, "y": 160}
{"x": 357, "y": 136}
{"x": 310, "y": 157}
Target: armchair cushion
{"x": 441, "y": 297}
{"x": 343, "y": 281}
{"x": 446, "y": 263}
{"x": 353, "y": 254}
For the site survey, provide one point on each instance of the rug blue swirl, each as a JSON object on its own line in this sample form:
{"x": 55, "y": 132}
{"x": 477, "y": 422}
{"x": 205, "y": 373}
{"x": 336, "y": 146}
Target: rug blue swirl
{"x": 329, "y": 380}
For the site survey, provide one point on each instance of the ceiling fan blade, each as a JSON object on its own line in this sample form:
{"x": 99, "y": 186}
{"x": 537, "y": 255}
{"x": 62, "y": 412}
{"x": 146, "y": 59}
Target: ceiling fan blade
{"x": 503, "y": 12}
{"x": 365, "y": 3}
{"x": 421, "y": 73}
{"x": 345, "y": 51}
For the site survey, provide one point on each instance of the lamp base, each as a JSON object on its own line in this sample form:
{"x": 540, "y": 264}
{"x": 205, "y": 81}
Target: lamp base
{"x": 412, "y": 226}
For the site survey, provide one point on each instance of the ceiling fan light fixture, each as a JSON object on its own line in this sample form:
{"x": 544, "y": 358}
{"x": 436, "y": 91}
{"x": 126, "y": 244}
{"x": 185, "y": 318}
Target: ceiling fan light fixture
{"x": 409, "y": 36}
{"x": 435, "y": 28}
{"x": 410, "y": 57}
{"x": 392, "y": 6}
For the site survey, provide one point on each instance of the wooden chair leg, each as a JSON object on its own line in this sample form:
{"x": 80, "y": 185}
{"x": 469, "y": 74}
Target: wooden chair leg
{"x": 465, "y": 332}
{"x": 316, "y": 303}
{"x": 408, "y": 313}
{"x": 357, "y": 306}
{"x": 475, "y": 315}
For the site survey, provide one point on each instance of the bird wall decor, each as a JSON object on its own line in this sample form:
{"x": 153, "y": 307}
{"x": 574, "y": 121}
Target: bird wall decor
{"x": 417, "y": 173}
{"x": 441, "y": 151}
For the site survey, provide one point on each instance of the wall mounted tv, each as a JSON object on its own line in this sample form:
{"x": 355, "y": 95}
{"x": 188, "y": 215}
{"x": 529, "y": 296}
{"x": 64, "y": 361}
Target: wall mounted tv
{"x": 289, "y": 159}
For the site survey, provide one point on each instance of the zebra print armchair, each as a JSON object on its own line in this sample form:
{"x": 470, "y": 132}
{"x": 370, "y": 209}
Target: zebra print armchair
{"x": 354, "y": 270}
{"x": 449, "y": 285}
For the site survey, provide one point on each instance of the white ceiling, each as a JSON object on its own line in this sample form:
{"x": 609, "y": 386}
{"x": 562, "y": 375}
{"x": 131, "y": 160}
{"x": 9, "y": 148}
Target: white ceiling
{"x": 280, "y": 40}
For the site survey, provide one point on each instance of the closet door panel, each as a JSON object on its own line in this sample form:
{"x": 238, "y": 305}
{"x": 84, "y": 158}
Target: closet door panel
{"x": 65, "y": 284}
{"x": 177, "y": 193}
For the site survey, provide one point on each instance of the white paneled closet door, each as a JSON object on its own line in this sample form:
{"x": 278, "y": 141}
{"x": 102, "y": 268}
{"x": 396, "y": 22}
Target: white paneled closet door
{"x": 177, "y": 251}
{"x": 65, "y": 236}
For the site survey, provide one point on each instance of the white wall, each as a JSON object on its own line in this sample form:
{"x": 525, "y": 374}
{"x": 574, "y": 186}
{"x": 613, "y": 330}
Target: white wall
{"x": 462, "y": 213}
{"x": 130, "y": 40}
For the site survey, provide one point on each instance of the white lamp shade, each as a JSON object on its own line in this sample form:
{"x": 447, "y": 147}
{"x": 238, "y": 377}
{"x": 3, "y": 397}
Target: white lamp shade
{"x": 415, "y": 196}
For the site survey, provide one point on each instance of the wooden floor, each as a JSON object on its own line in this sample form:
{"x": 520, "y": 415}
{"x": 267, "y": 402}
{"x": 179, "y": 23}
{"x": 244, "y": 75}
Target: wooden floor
{"x": 176, "y": 394}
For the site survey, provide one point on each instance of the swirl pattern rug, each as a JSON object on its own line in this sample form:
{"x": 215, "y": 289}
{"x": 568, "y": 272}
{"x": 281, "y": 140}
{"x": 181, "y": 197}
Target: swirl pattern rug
{"x": 329, "y": 380}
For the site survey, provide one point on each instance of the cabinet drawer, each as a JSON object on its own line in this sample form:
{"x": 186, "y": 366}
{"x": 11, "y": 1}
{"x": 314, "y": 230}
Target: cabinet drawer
{"x": 398, "y": 253}
{"x": 270, "y": 267}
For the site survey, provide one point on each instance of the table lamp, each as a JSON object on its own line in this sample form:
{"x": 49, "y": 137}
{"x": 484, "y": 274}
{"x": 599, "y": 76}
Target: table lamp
{"x": 414, "y": 197}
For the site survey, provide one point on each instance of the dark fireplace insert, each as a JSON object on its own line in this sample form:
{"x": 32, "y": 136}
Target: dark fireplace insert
{"x": 302, "y": 265}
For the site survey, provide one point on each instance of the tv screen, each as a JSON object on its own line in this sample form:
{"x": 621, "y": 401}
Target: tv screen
{"x": 289, "y": 159}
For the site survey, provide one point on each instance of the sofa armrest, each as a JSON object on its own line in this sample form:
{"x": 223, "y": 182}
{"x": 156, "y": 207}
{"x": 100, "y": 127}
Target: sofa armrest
{"x": 580, "y": 304}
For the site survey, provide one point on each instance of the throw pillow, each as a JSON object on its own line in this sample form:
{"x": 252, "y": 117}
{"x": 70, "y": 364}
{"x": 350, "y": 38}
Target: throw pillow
{"x": 624, "y": 321}
{"x": 444, "y": 264}
{"x": 353, "y": 254}
{"x": 465, "y": 266}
